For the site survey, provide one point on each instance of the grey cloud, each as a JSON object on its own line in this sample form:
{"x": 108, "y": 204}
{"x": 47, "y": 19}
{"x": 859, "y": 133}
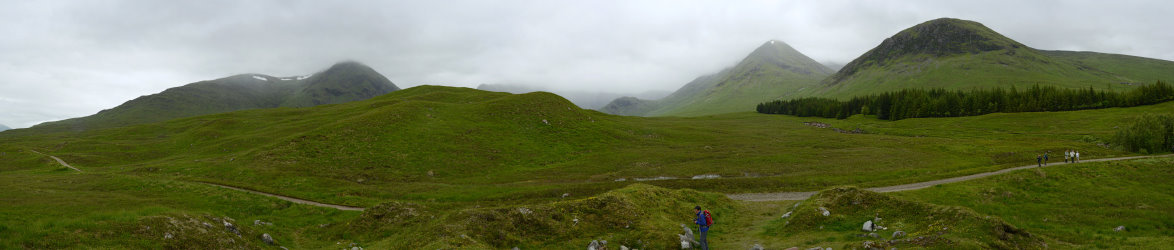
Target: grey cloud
{"x": 62, "y": 59}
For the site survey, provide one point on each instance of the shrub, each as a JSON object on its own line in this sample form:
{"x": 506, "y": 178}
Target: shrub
{"x": 1147, "y": 134}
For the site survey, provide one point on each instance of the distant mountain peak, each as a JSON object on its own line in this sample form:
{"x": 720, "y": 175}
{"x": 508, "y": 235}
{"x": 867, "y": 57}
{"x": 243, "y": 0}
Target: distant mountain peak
{"x": 343, "y": 82}
{"x": 935, "y": 38}
{"x": 781, "y": 54}
{"x": 348, "y": 64}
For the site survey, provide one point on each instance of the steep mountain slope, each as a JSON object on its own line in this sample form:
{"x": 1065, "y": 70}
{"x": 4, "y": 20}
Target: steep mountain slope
{"x": 343, "y": 82}
{"x": 1133, "y": 69}
{"x": 771, "y": 71}
{"x": 960, "y": 54}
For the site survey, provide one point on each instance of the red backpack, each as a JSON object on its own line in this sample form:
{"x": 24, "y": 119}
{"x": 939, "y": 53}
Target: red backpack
{"x": 708, "y": 218}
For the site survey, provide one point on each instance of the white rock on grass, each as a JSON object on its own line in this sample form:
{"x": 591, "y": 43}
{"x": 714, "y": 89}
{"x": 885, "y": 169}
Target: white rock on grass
{"x": 898, "y": 234}
{"x": 1119, "y": 229}
{"x": 824, "y": 211}
{"x": 267, "y": 239}
{"x": 788, "y": 214}
{"x": 869, "y": 227}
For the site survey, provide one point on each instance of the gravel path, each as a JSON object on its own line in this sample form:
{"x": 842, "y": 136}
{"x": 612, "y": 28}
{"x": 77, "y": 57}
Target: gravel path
{"x": 290, "y": 199}
{"x": 793, "y": 196}
{"x": 287, "y": 198}
{"x": 58, "y": 160}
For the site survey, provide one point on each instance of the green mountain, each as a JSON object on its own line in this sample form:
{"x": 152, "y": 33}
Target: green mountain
{"x": 771, "y": 71}
{"x": 343, "y": 82}
{"x": 959, "y": 54}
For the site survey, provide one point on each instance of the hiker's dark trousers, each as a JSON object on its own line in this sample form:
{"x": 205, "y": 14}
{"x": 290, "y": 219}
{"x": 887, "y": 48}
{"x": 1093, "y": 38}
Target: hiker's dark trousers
{"x": 704, "y": 243}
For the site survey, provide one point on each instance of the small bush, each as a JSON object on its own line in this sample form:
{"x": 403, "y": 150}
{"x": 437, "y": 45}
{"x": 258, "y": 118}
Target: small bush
{"x": 1147, "y": 134}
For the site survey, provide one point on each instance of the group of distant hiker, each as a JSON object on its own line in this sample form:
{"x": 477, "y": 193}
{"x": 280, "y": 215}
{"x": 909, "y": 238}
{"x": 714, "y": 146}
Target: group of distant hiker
{"x": 1070, "y": 156}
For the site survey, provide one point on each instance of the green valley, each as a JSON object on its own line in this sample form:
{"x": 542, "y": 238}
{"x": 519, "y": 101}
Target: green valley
{"x": 460, "y": 152}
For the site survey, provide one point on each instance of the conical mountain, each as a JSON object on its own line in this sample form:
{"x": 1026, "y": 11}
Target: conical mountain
{"x": 773, "y": 70}
{"x": 960, "y": 54}
{"x": 343, "y": 82}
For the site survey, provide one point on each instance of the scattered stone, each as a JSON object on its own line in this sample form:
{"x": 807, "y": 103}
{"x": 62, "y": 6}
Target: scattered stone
{"x": 524, "y": 211}
{"x": 168, "y": 236}
{"x": 1119, "y": 229}
{"x": 209, "y": 226}
{"x": 231, "y": 228}
{"x": 622, "y": 247}
{"x": 595, "y": 244}
{"x": 871, "y": 245}
{"x": 261, "y": 223}
{"x": 431, "y": 174}
{"x": 621, "y": 179}
{"x": 788, "y": 214}
{"x": 267, "y": 239}
{"x": 757, "y": 247}
{"x": 869, "y": 227}
{"x": 898, "y": 234}
{"x": 815, "y": 248}
{"x": 874, "y": 235}
{"x": 546, "y": 122}
{"x": 688, "y": 234}
{"x": 685, "y": 242}
{"x": 515, "y": 248}
{"x": 565, "y": 195}
{"x": 793, "y": 248}
{"x": 824, "y": 211}
{"x": 576, "y": 220}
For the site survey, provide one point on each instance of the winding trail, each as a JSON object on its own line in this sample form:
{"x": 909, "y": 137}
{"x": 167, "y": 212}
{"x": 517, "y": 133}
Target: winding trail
{"x": 793, "y": 196}
{"x": 287, "y": 198}
{"x": 58, "y": 160}
{"x": 290, "y": 199}
{"x": 779, "y": 196}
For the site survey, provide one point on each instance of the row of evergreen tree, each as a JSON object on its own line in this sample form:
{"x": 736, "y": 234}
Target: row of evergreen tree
{"x": 916, "y": 103}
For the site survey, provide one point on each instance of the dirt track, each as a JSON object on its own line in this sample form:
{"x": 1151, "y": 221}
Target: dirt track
{"x": 290, "y": 199}
{"x": 791, "y": 196}
{"x": 287, "y": 198}
{"x": 58, "y": 160}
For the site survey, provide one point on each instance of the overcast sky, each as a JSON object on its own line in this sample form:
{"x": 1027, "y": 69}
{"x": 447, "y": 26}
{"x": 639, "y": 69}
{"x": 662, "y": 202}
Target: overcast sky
{"x": 63, "y": 59}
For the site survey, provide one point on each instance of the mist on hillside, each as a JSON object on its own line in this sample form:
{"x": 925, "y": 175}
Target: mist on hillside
{"x": 106, "y": 53}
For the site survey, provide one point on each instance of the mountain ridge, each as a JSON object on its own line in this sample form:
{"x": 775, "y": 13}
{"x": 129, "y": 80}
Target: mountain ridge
{"x": 770, "y": 71}
{"x": 342, "y": 82}
{"x": 957, "y": 54}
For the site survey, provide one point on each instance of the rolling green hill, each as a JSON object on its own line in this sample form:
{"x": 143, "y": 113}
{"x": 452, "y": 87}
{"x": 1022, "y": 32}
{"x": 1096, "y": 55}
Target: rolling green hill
{"x": 771, "y": 71}
{"x": 343, "y": 82}
{"x": 959, "y": 54}
{"x": 467, "y": 158}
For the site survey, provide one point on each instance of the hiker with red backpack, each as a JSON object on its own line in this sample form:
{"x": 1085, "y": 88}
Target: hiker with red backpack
{"x": 704, "y": 220}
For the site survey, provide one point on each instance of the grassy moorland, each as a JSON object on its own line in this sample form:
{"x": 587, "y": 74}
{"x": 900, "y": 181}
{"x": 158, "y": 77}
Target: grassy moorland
{"x": 1076, "y": 206}
{"x": 465, "y": 158}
